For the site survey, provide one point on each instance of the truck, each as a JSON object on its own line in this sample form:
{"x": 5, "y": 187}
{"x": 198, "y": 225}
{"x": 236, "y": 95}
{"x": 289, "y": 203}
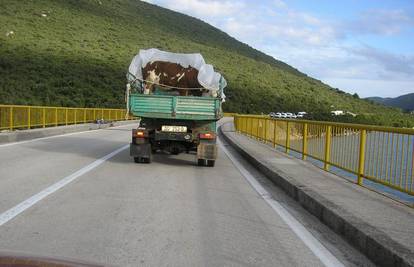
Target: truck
{"x": 172, "y": 123}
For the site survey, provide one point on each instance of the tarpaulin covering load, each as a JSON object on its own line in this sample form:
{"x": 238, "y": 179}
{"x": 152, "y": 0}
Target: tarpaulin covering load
{"x": 207, "y": 77}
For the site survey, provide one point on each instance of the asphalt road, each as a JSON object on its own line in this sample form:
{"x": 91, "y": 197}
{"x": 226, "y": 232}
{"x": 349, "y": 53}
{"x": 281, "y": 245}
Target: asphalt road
{"x": 171, "y": 212}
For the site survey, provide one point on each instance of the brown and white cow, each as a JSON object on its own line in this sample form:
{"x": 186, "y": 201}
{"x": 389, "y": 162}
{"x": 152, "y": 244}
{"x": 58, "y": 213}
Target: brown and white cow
{"x": 173, "y": 75}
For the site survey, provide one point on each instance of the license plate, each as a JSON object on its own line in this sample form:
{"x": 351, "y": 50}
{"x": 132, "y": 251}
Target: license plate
{"x": 175, "y": 129}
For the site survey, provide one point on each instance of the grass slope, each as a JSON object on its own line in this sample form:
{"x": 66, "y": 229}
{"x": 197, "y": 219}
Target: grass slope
{"x": 78, "y": 55}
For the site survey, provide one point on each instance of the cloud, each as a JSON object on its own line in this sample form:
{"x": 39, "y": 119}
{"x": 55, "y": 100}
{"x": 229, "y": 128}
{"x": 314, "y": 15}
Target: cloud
{"x": 379, "y": 22}
{"x": 395, "y": 63}
{"x": 203, "y": 8}
{"x": 372, "y": 87}
{"x": 279, "y": 4}
{"x": 287, "y": 26}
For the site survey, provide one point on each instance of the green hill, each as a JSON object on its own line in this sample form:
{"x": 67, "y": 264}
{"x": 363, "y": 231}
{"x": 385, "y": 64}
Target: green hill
{"x": 76, "y": 53}
{"x": 405, "y": 102}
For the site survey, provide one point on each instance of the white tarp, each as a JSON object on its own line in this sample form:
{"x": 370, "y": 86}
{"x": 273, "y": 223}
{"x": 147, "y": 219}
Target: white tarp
{"x": 207, "y": 77}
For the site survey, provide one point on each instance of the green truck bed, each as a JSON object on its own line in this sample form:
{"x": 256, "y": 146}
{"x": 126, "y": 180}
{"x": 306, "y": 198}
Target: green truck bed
{"x": 175, "y": 107}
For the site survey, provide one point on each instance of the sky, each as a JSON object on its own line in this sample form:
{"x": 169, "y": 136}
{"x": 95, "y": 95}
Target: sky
{"x": 364, "y": 47}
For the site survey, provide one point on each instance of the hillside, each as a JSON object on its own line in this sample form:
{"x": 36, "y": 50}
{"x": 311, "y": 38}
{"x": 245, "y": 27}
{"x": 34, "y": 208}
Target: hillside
{"x": 76, "y": 53}
{"x": 404, "y": 102}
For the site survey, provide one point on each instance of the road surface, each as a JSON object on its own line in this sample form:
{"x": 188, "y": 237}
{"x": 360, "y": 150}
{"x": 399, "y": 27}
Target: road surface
{"x": 81, "y": 196}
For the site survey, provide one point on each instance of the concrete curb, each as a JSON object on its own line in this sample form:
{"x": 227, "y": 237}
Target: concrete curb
{"x": 372, "y": 242}
{"x": 16, "y": 136}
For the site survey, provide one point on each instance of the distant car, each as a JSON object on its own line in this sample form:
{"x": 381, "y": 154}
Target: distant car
{"x": 278, "y": 115}
{"x": 272, "y": 114}
{"x": 289, "y": 115}
{"x": 284, "y": 115}
{"x": 301, "y": 114}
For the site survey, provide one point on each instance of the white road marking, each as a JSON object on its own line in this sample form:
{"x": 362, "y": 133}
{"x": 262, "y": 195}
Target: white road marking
{"x": 324, "y": 255}
{"x": 19, "y": 208}
{"x": 59, "y": 135}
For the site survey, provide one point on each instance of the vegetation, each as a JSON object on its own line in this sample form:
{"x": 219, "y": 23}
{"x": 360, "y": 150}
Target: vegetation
{"x": 405, "y": 102}
{"x": 76, "y": 53}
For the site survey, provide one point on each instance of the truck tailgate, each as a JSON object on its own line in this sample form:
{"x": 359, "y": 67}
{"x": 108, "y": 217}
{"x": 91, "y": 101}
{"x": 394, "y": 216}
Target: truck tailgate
{"x": 175, "y": 107}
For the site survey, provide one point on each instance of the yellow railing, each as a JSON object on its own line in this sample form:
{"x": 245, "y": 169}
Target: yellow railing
{"x": 26, "y": 117}
{"x": 227, "y": 114}
{"x": 384, "y": 155}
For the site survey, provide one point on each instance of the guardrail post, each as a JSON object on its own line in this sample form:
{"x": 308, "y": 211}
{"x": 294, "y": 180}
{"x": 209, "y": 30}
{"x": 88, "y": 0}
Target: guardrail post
{"x": 235, "y": 123}
{"x": 94, "y": 114}
{"x": 274, "y": 132}
{"x": 11, "y": 118}
{"x": 305, "y": 141}
{"x": 265, "y": 130}
{"x": 75, "y": 119}
{"x": 28, "y": 118}
{"x": 66, "y": 116}
{"x": 251, "y": 127}
{"x": 287, "y": 137}
{"x": 327, "y": 147}
{"x": 44, "y": 117}
{"x": 56, "y": 117}
{"x": 361, "y": 165}
{"x": 84, "y": 115}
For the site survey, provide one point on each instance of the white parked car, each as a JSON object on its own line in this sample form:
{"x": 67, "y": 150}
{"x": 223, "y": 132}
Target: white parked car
{"x": 284, "y": 115}
{"x": 301, "y": 114}
{"x": 289, "y": 115}
{"x": 278, "y": 115}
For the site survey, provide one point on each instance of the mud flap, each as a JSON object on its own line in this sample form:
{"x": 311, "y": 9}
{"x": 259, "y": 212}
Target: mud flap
{"x": 207, "y": 151}
{"x": 141, "y": 150}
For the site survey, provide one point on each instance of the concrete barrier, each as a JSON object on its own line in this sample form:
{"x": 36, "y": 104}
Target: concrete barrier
{"x": 22, "y": 135}
{"x": 371, "y": 241}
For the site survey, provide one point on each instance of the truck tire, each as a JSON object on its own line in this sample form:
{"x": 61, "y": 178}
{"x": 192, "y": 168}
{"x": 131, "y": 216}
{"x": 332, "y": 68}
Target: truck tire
{"x": 211, "y": 162}
{"x": 148, "y": 160}
{"x": 142, "y": 160}
{"x": 201, "y": 162}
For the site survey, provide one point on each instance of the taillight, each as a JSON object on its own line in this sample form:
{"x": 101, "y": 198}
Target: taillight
{"x": 139, "y": 133}
{"x": 207, "y": 135}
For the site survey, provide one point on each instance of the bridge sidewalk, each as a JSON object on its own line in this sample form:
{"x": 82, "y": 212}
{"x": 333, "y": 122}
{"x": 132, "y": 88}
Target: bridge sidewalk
{"x": 381, "y": 228}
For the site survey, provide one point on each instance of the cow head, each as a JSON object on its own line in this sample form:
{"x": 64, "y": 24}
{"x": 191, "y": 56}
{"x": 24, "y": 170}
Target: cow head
{"x": 152, "y": 79}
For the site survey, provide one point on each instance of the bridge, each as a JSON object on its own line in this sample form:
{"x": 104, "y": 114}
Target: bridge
{"x": 282, "y": 193}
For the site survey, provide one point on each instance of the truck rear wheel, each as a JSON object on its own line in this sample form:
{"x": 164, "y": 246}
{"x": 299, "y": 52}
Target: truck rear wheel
{"x": 210, "y": 163}
{"x": 206, "y": 162}
{"x": 142, "y": 160}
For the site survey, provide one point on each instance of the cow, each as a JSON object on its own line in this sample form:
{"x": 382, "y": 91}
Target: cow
{"x": 174, "y": 76}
